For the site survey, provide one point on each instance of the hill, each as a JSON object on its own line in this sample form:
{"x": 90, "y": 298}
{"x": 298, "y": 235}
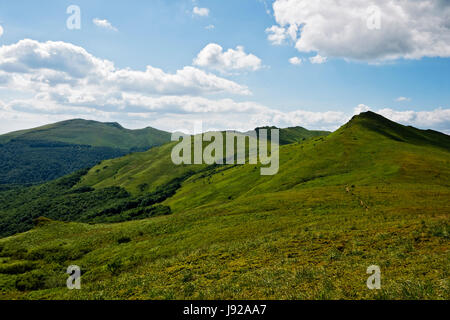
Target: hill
{"x": 372, "y": 192}
{"x": 49, "y": 152}
{"x": 92, "y": 133}
{"x": 296, "y": 134}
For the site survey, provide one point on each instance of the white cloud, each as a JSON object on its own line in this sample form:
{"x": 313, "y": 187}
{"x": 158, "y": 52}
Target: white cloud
{"x": 409, "y": 29}
{"x": 295, "y": 61}
{"x": 59, "y": 67}
{"x": 438, "y": 119}
{"x": 277, "y": 35}
{"x": 318, "y": 59}
{"x": 202, "y": 12}
{"x": 104, "y": 24}
{"x": 361, "y": 108}
{"x": 173, "y": 113}
{"x": 1, "y": 31}
{"x": 213, "y": 57}
{"x": 402, "y": 99}
{"x": 210, "y": 27}
{"x": 166, "y": 112}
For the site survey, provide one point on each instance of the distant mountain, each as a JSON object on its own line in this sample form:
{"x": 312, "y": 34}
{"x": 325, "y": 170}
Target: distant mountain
{"x": 92, "y": 133}
{"x": 295, "y": 134}
{"x": 372, "y": 192}
{"x": 51, "y": 151}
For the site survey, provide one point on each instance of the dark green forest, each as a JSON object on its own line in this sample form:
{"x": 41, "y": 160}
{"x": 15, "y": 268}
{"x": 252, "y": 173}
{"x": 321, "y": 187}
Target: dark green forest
{"x": 24, "y": 207}
{"x": 28, "y": 162}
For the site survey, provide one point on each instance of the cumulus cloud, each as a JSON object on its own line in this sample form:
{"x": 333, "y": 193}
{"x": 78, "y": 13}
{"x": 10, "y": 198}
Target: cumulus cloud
{"x": 295, "y": 61}
{"x": 202, "y": 12}
{"x": 210, "y": 27}
{"x": 166, "y": 112}
{"x": 402, "y": 99}
{"x": 279, "y": 35}
{"x": 318, "y": 59}
{"x": 212, "y": 56}
{"x": 56, "y": 66}
{"x": 408, "y": 29}
{"x": 104, "y": 24}
{"x": 276, "y": 35}
{"x": 1, "y": 31}
{"x": 361, "y": 108}
{"x": 438, "y": 119}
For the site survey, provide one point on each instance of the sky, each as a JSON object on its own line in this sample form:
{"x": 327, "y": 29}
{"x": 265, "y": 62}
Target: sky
{"x": 234, "y": 64}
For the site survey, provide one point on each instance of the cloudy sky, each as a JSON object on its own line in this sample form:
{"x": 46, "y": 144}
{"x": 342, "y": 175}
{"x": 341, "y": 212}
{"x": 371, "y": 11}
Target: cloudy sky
{"x": 232, "y": 64}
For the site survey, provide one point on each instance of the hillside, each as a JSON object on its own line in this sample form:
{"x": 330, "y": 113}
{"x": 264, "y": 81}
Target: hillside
{"x": 49, "y": 152}
{"x": 92, "y": 133}
{"x": 372, "y": 192}
{"x": 296, "y": 134}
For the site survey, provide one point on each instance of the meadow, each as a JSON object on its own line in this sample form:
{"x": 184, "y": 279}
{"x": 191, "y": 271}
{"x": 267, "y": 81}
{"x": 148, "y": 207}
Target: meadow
{"x": 372, "y": 193}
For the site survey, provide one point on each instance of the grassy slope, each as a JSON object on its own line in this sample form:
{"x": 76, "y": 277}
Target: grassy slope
{"x": 92, "y": 133}
{"x": 143, "y": 172}
{"x": 138, "y": 172}
{"x": 373, "y": 192}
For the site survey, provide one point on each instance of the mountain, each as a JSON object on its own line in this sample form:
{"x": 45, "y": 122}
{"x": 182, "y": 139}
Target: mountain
{"x": 373, "y": 192}
{"x": 295, "y": 134}
{"x": 48, "y": 152}
{"x": 92, "y": 133}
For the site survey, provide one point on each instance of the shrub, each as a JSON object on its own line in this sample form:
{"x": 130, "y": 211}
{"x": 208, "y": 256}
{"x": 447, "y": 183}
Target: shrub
{"x": 17, "y": 267}
{"x": 114, "y": 267}
{"x": 41, "y": 221}
{"x": 31, "y": 281}
{"x": 123, "y": 240}
{"x": 82, "y": 190}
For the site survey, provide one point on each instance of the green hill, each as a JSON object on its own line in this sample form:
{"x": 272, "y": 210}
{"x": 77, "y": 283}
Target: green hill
{"x": 92, "y": 133}
{"x": 371, "y": 193}
{"x": 296, "y": 134}
{"x": 49, "y": 152}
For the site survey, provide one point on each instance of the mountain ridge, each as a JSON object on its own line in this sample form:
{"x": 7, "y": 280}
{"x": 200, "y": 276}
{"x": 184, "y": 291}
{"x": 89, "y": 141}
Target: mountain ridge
{"x": 92, "y": 133}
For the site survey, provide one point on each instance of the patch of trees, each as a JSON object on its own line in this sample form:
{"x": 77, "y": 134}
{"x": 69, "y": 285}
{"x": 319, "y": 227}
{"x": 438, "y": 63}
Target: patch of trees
{"x": 24, "y": 162}
{"x": 61, "y": 200}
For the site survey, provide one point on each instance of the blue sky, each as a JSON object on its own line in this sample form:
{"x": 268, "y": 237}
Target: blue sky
{"x": 168, "y": 35}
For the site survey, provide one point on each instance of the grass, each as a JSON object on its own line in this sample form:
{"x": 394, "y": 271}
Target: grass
{"x": 303, "y": 250}
{"x": 92, "y": 133}
{"x": 339, "y": 204}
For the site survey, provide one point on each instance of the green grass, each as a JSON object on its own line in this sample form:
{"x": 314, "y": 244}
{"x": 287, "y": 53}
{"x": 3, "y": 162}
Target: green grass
{"x": 92, "y": 133}
{"x": 371, "y": 193}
